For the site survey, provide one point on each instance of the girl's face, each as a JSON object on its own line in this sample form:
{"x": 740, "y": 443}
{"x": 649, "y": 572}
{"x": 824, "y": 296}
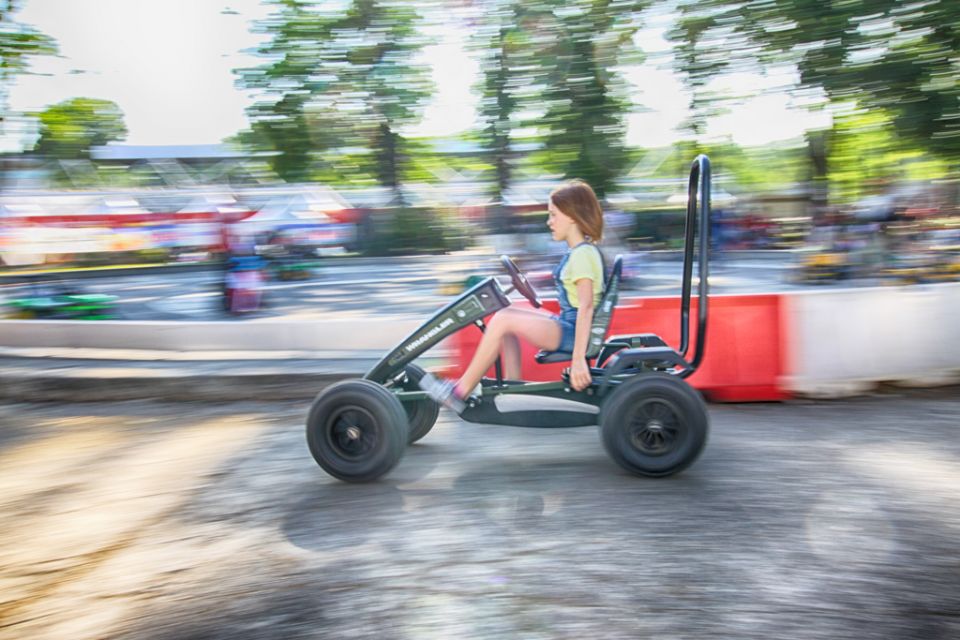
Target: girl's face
{"x": 560, "y": 223}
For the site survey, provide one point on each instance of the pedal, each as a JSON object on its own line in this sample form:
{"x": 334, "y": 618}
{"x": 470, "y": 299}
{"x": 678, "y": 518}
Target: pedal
{"x": 400, "y": 380}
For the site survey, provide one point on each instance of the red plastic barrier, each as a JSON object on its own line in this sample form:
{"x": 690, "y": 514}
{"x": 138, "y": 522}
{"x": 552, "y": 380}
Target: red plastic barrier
{"x": 745, "y": 357}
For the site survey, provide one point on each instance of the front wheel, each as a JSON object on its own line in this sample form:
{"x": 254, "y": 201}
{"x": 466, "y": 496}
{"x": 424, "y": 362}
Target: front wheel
{"x": 356, "y": 430}
{"x": 654, "y": 424}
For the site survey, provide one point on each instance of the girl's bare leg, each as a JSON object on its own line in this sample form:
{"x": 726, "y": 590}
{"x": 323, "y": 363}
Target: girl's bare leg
{"x": 540, "y": 330}
{"x": 510, "y": 350}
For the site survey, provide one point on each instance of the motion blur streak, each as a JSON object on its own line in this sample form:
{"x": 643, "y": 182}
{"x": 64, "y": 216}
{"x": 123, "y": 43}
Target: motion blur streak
{"x": 922, "y": 475}
{"x": 69, "y": 515}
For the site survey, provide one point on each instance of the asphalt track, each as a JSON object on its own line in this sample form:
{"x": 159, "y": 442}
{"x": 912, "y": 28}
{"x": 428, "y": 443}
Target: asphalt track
{"x": 177, "y": 520}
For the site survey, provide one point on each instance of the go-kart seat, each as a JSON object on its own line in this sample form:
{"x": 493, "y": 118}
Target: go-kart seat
{"x": 601, "y": 319}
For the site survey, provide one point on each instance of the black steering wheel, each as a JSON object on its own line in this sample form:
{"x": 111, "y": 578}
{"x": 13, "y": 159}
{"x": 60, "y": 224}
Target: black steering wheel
{"x": 519, "y": 281}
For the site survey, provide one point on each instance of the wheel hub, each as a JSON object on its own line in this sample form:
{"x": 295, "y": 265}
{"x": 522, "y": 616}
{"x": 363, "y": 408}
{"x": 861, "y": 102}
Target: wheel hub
{"x": 654, "y": 428}
{"x": 351, "y": 432}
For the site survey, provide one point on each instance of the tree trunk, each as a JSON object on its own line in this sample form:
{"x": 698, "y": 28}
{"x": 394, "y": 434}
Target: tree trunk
{"x": 388, "y": 160}
{"x": 818, "y": 143}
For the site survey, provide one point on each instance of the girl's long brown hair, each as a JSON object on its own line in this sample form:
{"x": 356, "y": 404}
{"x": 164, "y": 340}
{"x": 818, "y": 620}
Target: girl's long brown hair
{"x": 577, "y": 200}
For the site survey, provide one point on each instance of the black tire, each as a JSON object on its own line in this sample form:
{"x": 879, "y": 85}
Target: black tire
{"x": 356, "y": 430}
{"x": 654, "y": 425}
{"x": 421, "y": 414}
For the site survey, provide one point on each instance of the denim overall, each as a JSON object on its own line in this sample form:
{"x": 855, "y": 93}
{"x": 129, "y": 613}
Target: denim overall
{"x": 568, "y": 313}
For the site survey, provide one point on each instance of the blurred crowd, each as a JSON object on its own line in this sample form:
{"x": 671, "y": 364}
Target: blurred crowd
{"x": 898, "y": 245}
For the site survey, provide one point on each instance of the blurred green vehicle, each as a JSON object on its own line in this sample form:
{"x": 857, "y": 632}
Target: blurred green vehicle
{"x": 291, "y": 268}
{"x": 56, "y": 301}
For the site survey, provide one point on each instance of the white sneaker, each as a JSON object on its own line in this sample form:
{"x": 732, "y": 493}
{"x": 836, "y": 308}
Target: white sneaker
{"x": 442, "y": 391}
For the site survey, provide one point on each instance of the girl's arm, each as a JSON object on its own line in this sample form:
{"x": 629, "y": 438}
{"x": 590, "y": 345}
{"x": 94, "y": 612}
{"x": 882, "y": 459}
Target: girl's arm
{"x": 579, "y": 371}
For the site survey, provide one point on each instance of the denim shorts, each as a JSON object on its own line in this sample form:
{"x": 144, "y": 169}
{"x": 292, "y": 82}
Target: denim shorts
{"x": 568, "y": 332}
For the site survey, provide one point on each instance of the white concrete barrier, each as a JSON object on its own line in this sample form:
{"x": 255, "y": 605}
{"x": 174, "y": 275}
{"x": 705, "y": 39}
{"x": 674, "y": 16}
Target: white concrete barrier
{"x": 845, "y": 342}
{"x": 838, "y": 342}
{"x": 331, "y": 335}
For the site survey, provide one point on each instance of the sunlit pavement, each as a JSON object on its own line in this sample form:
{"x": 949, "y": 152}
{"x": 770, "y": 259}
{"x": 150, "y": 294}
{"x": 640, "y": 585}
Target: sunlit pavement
{"x": 149, "y": 520}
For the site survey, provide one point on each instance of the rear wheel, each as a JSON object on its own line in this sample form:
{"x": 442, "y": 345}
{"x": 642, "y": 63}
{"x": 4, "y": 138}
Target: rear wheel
{"x": 654, "y": 425}
{"x": 356, "y": 430}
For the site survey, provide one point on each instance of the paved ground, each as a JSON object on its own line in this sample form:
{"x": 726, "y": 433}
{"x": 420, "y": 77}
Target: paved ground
{"x": 149, "y": 520}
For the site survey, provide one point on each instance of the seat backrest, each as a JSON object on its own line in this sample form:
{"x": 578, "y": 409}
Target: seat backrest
{"x": 604, "y": 310}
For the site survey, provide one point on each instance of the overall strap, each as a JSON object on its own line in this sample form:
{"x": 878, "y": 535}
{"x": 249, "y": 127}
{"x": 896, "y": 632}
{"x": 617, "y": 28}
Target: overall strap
{"x": 603, "y": 261}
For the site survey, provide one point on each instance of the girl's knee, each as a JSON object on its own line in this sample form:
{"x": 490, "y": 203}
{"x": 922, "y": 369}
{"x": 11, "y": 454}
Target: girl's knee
{"x": 505, "y": 319}
{"x": 500, "y": 324}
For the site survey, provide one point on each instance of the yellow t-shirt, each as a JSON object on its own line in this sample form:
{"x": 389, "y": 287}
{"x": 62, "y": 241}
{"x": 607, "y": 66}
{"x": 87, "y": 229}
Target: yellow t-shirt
{"x": 584, "y": 262}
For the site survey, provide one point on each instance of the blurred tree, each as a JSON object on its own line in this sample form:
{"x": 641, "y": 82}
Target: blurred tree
{"x": 856, "y": 174}
{"x": 336, "y": 81}
{"x": 551, "y": 66}
{"x": 68, "y": 129}
{"x": 585, "y": 96}
{"x": 763, "y": 167}
{"x": 498, "y": 103}
{"x": 508, "y": 65}
{"x": 18, "y": 42}
{"x": 899, "y": 57}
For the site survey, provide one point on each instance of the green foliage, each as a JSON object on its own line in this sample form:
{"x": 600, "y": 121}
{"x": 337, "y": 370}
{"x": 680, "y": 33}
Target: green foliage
{"x": 18, "y": 43}
{"x": 427, "y": 165}
{"x": 866, "y": 151}
{"x": 407, "y": 230}
{"x": 498, "y": 102}
{"x": 68, "y": 129}
{"x": 559, "y": 62}
{"x": 772, "y": 166}
{"x": 336, "y": 79}
{"x": 421, "y": 230}
{"x": 900, "y": 58}
{"x": 585, "y": 96}
{"x": 353, "y": 169}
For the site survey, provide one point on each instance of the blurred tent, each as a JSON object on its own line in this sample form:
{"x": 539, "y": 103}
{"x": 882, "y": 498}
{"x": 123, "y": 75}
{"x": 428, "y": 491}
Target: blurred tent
{"x": 309, "y": 213}
{"x": 224, "y": 205}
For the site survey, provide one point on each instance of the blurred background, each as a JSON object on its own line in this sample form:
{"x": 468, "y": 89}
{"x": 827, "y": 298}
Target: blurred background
{"x": 237, "y": 145}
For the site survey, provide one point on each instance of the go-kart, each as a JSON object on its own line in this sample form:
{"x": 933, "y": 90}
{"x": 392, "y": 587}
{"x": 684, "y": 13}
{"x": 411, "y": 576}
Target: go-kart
{"x": 291, "y": 268}
{"x": 652, "y": 423}
{"x": 821, "y": 264}
{"x": 47, "y": 300}
{"x": 283, "y": 263}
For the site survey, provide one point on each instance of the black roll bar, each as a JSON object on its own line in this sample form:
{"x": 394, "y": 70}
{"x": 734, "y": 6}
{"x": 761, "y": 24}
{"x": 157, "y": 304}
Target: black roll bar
{"x": 698, "y": 210}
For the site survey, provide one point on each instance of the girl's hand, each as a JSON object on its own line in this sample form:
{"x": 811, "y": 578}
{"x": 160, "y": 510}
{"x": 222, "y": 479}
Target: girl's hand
{"x": 580, "y": 377}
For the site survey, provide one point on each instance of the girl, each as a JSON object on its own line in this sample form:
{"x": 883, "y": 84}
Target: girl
{"x": 577, "y": 219}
